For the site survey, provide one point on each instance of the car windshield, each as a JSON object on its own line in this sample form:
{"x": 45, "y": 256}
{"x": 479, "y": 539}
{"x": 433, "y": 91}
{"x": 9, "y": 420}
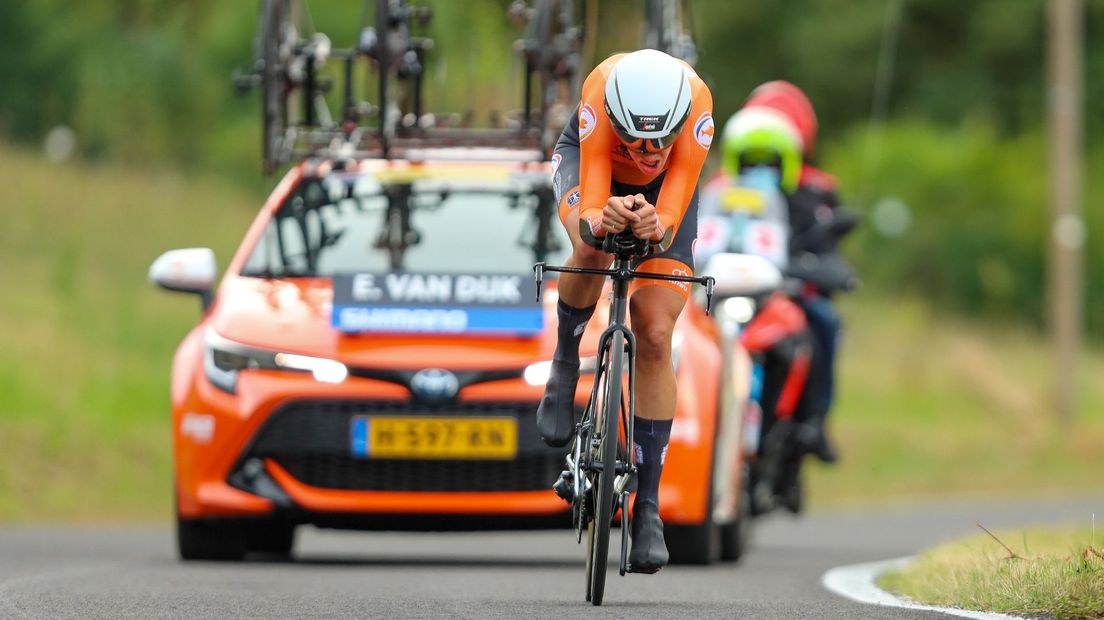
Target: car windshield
{"x": 347, "y": 223}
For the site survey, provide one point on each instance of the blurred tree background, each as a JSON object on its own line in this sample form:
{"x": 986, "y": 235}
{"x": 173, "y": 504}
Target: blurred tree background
{"x": 950, "y": 171}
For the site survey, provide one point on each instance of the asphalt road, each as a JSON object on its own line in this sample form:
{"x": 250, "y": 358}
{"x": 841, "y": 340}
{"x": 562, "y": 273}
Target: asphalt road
{"x": 124, "y": 572}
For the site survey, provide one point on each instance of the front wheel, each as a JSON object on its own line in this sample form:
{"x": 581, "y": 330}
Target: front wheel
{"x": 607, "y": 455}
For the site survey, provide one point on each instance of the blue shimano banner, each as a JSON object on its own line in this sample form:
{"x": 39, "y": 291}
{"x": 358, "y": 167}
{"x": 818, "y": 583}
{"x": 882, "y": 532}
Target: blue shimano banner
{"x": 436, "y": 303}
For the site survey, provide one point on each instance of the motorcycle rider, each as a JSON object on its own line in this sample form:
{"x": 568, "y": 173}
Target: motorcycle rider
{"x": 778, "y": 125}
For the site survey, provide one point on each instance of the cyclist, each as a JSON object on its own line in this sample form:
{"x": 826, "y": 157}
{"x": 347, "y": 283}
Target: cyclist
{"x": 784, "y": 126}
{"x": 630, "y": 160}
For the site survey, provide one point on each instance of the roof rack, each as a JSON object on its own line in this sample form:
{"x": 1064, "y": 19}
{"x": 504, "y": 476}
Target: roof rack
{"x": 288, "y": 68}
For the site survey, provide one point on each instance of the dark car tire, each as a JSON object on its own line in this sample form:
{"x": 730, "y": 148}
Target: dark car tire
{"x": 200, "y": 539}
{"x": 736, "y": 536}
{"x": 270, "y": 538}
{"x": 693, "y": 544}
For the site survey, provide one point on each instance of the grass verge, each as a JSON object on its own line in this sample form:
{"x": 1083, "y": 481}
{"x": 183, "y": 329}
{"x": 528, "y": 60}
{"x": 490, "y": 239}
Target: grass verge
{"x": 931, "y": 405}
{"x": 87, "y": 342}
{"x": 1055, "y": 573}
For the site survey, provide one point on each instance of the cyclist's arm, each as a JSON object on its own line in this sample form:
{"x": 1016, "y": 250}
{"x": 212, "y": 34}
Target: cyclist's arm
{"x": 596, "y": 140}
{"x": 687, "y": 160}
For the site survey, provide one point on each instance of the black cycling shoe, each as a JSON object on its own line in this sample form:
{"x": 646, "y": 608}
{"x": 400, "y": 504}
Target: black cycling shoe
{"x": 824, "y": 450}
{"x": 649, "y": 551}
{"x": 556, "y": 413}
{"x": 813, "y": 440}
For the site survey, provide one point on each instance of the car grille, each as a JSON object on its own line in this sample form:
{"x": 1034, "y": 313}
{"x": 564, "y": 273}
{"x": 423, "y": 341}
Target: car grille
{"x": 311, "y": 440}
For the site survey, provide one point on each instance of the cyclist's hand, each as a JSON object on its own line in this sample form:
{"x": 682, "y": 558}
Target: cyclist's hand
{"x": 648, "y": 225}
{"x": 618, "y": 214}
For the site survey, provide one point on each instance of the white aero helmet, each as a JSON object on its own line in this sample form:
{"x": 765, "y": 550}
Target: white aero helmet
{"x": 648, "y": 99}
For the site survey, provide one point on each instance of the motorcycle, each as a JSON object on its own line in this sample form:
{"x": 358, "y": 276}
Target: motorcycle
{"x": 762, "y": 272}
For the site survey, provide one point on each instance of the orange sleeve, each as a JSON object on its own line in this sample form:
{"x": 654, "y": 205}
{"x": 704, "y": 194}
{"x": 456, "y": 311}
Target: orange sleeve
{"x": 687, "y": 158}
{"x": 596, "y": 139}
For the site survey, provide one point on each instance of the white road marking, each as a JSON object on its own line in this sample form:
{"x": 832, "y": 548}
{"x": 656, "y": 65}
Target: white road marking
{"x": 857, "y": 582}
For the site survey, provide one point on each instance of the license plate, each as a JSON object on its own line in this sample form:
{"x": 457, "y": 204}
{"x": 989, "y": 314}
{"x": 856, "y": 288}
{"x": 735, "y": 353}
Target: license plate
{"x": 386, "y": 437}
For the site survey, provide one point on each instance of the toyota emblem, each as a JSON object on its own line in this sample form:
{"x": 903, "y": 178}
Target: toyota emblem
{"x": 434, "y": 384}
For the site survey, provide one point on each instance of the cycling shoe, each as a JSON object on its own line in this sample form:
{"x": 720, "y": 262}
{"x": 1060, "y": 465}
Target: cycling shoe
{"x": 649, "y": 551}
{"x": 556, "y": 413}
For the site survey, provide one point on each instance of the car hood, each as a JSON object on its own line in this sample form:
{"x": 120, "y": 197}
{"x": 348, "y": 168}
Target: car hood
{"x": 294, "y": 316}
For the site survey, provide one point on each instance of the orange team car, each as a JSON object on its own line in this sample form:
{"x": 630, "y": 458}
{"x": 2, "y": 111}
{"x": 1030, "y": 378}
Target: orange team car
{"x": 374, "y": 355}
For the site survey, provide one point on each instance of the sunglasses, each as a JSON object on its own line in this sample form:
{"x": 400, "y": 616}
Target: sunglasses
{"x": 646, "y": 145}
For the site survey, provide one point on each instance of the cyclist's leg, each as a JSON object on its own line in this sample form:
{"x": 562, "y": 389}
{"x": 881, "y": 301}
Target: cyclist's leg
{"x": 654, "y": 311}
{"x": 655, "y": 307}
{"x": 578, "y": 295}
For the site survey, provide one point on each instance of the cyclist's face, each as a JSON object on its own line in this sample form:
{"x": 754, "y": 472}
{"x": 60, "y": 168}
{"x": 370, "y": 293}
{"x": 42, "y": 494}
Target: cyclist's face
{"x": 651, "y": 162}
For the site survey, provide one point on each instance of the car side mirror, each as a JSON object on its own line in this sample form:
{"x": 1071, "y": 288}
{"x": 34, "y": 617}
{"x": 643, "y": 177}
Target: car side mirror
{"x": 191, "y": 270}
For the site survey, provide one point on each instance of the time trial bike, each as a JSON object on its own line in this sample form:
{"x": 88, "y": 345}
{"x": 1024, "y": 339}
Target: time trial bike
{"x": 599, "y": 469}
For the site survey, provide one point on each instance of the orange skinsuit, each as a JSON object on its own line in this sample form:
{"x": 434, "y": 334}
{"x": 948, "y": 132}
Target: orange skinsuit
{"x": 601, "y": 161}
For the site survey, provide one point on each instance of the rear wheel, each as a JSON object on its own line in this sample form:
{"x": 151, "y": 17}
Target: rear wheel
{"x": 201, "y": 539}
{"x": 607, "y": 454}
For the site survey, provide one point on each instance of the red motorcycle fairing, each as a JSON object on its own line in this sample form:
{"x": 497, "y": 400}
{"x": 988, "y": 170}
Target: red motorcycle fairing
{"x": 778, "y": 319}
{"x": 780, "y": 327}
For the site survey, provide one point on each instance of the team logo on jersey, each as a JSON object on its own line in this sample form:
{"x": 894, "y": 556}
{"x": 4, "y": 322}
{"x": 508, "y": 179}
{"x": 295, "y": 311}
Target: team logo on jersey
{"x": 587, "y": 120}
{"x": 683, "y": 273}
{"x": 573, "y": 199}
{"x": 703, "y": 130}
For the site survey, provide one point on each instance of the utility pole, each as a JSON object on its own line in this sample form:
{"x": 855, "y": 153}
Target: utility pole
{"x": 1067, "y": 231}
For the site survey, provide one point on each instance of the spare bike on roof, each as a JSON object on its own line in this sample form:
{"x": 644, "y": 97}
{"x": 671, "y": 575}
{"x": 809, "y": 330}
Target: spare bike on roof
{"x": 292, "y": 67}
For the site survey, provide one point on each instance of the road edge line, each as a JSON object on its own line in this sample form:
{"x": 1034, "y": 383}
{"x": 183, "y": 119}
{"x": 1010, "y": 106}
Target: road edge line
{"x": 857, "y": 582}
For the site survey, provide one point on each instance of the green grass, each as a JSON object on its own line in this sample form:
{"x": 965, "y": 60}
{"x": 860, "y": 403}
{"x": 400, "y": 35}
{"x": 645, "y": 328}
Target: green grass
{"x": 87, "y": 341}
{"x": 1053, "y": 572}
{"x": 927, "y": 406}
{"x": 931, "y": 405}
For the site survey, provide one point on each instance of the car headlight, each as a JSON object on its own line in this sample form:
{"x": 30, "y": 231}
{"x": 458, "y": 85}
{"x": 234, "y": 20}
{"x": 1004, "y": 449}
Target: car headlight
{"x": 223, "y": 359}
{"x": 537, "y": 373}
